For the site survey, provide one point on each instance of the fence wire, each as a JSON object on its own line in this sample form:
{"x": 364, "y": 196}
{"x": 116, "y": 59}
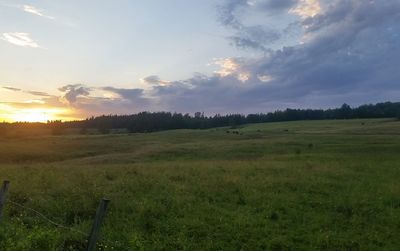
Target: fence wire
{"x": 59, "y": 225}
{"x": 44, "y": 217}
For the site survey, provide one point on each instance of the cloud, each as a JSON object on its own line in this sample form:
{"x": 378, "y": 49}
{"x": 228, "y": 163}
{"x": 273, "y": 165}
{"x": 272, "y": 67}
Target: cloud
{"x": 133, "y": 96}
{"x": 228, "y": 12}
{"x": 228, "y": 66}
{"x": 72, "y": 92}
{"x": 306, "y": 8}
{"x": 351, "y": 55}
{"x": 11, "y": 88}
{"x": 154, "y": 80}
{"x": 89, "y": 101}
{"x": 33, "y": 10}
{"x": 254, "y": 37}
{"x": 233, "y": 67}
{"x": 246, "y": 36}
{"x": 257, "y": 24}
{"x": 274, "y": 6}
{"x": 129, "y": 94}
{"x": 35, "y": 93}
{"x": 352, "y": 47}
{"x": 38, "y": 93}
{"x": 19, "y": 39}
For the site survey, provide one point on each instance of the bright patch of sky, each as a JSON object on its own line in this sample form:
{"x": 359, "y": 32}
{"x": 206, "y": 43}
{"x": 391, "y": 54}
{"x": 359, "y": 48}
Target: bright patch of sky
{"x": 99, "y": 56}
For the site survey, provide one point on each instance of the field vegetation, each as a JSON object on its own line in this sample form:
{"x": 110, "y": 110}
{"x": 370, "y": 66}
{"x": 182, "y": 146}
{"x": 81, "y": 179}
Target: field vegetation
{"x": 304, "y": 185}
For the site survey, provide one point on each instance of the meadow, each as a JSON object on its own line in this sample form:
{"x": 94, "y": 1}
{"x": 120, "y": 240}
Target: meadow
{"x": 305, "y": 185}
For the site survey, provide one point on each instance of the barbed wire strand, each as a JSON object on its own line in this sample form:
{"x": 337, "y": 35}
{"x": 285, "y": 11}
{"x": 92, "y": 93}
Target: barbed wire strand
{"x": 62, "y": 226}
{"x": 46, "y": 218}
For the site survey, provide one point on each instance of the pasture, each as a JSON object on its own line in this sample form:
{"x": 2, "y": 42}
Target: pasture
{"x": 306, "y": 185}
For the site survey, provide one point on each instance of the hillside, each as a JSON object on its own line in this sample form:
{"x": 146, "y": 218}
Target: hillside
{"x": 304, "y": 185}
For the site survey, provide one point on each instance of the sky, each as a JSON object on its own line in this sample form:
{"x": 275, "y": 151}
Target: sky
{"x": 74, "y": 59}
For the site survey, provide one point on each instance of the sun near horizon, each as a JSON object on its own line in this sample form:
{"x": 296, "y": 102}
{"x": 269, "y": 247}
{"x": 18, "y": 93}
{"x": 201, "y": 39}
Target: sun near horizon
{"x": 33, "y": 115}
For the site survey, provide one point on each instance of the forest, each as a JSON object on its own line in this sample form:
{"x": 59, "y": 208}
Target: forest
{"x": 159, "y": 121}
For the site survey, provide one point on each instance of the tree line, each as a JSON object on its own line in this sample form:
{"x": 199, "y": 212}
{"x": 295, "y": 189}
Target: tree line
{"x": 158, "y": 121}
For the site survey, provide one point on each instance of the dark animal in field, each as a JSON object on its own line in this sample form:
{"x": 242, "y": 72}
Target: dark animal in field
{"x": 235, "y": 132}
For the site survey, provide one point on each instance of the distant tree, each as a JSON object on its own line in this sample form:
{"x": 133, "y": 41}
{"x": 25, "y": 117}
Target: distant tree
{"x": 345, "y": 111}
{"x": 199, "y": 115}
{"x": 3, "y": 129}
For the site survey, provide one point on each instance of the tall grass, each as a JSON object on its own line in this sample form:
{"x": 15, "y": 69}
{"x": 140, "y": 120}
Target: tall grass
{"x": 322, "y": 185}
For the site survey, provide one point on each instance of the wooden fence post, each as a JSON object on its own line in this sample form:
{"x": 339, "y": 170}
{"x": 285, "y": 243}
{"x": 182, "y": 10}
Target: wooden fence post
{"x": 94, "y": 234}
{"x": 3, "y": 196}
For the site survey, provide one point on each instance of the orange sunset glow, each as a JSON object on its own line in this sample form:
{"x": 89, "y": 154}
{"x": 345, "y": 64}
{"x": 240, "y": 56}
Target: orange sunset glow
{"x": 12, "y": 114}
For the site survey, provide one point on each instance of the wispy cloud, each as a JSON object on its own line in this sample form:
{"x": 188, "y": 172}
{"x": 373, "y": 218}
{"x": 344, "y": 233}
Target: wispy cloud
{"x": 20, "y": 39}
{"x": 35, "y": 11}
{"x": 11, "y": 88}
{"x": 38, "y": 93}
{"x": 34, "y": 93}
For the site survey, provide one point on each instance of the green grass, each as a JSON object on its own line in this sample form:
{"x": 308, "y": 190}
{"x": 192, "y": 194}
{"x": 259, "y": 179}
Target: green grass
{"x": 314, "y": 185}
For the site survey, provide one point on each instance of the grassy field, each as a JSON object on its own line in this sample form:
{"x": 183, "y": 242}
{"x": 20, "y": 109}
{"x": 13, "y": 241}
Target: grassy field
{"x": 315, "y": 185}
